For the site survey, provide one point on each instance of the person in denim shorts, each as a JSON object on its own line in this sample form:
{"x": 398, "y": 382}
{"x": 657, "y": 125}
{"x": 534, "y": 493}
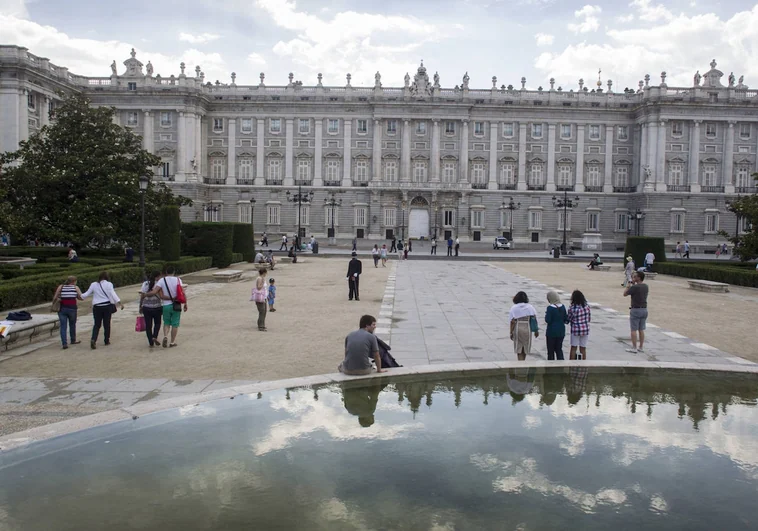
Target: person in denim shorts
{"x": 637, "y": 310}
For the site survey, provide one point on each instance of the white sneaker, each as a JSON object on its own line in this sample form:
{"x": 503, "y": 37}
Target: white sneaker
{"x": 640, "y": 351}
{"x": 633, "y": 350}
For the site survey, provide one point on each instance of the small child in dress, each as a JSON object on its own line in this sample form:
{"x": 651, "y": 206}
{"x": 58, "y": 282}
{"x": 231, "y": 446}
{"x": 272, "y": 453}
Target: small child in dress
{"x": 271, "y": 295}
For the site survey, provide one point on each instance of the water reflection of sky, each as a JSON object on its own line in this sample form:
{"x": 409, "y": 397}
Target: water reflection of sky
{"x": 526, "y": 450}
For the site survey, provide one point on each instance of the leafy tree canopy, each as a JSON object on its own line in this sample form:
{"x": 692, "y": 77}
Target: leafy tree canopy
{"x": 78, "y": 180}
{"x": 746, "y": 245}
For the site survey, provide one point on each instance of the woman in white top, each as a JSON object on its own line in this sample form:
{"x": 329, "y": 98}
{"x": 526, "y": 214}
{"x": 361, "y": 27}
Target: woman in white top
{"x": 259, "y": 295}
{"x": 375, "y": 255}
{"x": 104, "y": 300}
{"x": 521, "y": 332}
{"x": 629, "y": 271}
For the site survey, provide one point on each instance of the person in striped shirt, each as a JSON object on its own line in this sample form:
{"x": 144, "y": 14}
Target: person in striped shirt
{"x": 67, "y": 294}
{"x": 579, "y": 316}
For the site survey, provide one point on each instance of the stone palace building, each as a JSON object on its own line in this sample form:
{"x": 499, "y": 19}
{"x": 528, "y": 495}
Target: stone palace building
{"x": 420, "y": 159}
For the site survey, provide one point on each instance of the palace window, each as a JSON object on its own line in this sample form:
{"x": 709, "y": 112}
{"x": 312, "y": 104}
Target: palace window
{"x": 303, "y": 170}
{"x": 711, "y": 223}
{"x": 593, "y": 221}
{"x": 390, "y": 214}
{"x": 419, "y": 171}
{"x": 508, "y": 130}
{"x": 535, "y": 174}
{"x": 391, "y": 127}
{"x": 507, "y": 173}
{"x": 743, "y": 176}
{"x": 390, "y": 171}
{"x": 564, "y": 175}
{"x": 246, "y": 169}
{"x": 246, "y": 125}
{"x": 622, "y": 221}
{"x": 218, "y": 125}
{"x": 448, "y": 218}
{"x": 360, "y": 216}
{"x": 744, "y": 131}
{"x": 449, "y": 128}
{"x": 361, "y": 170}
{"x": 676, "y": 174}
{"x": 273, "y": 215}
{"x": 165, "y": 119}
{"x": 535, "y": 220}
{"x": 709, "y": 175}
{"x": 594, "y": 132}
{"x": 477, "y": 219}
{"x": 332, "y": 170}
{"x": 420, "y": 128}
{"x": 622, "y": 176}
{"x": 448, "y": 172}
{"x": 677, "y": 222}
{"x": 677, "y": 129}
{"x": 132, "y": 119}
{"x": 563, "y": 216}
{"x": 478, "y": 128}
{"x": 275, "y": 169}
{"x": 623, "y": 132}
{"x": 536, "y": 130}
{"x": 477, "y": 173}
{"x": 710, "y": 130}
{"x": 565, "y": 131}
{"x": 217, "y": 169}
{"x": 333, "y": 126}
{"x": 304, "y": 126}
{"x": 362, "y": 127}
{"x": 593, "y": 175}
{"x": 275, "y": 125}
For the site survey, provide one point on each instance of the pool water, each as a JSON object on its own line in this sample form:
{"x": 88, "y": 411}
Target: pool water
{"x": 521, "y": 449}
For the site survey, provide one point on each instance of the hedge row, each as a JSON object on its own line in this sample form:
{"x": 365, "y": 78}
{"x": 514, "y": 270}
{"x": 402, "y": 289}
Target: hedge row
{"x": 243, "y": 241}
{"x": 11, "y": 272}
{"x": 26, "y": 292}
{"x": 737, "y": 276}
{"x": 204, "y": 238}
{"x": 238, "y": 257}
{"x": 64, "y": 273}
{"x": 169, "y": 233}
{"x": 639, "y": 246}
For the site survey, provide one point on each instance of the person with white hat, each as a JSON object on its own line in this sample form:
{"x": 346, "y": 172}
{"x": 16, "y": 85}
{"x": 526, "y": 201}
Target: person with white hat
{"x": 629, "y": 271}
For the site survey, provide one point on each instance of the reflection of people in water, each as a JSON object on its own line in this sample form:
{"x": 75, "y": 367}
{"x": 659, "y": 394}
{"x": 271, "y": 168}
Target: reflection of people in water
{"x": 520, "y": 382}
{"x": 577, "y": 382}
{"x": 361, "y": 402}
{"x": 552, "y": 386}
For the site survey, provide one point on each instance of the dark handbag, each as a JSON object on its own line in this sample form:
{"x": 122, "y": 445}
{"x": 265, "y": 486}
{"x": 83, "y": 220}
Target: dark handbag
{"x": 175, "y": 305}
{"x": 533, "y": 324}
{"x": 111, "y": 306}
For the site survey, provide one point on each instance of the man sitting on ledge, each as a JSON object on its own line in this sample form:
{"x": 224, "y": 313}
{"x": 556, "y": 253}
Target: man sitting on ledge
{"x": 360, "y": 346}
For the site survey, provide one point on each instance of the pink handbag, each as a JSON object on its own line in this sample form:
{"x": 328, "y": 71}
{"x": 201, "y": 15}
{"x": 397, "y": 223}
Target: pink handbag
{"x": 139, "y": 326}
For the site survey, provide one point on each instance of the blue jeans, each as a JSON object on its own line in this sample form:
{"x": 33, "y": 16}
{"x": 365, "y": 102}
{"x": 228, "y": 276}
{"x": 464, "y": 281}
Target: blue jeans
{"x": 67, "y": 318}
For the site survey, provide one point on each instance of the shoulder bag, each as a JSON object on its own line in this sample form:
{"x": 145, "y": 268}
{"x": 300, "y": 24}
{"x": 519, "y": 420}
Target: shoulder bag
{"x": 533, "y": 324}
{"x": 175, "y": 305}
{"x": 56, "y": 305}
{"x": 112, "y": 305}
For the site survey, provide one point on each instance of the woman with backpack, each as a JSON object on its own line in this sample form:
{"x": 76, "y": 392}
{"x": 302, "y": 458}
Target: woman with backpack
{"x": 259, "y": 296}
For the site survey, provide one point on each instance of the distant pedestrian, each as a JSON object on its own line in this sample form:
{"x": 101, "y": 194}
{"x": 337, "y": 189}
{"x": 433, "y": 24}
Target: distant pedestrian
{"x": 264, "y": 240}
{"x": 72, "y": 256}
{"x": 457, "y": 245}
{"x": 596, "y": 261}
{"x": 718, "y": 250}
{"x": 579, "y": 316}
{"x": 678, "y": 252}
{"x": 271, "y": 294}
{"x": 519, "y": 318}
{"x": 555, "y": 317}
{"x": 629, "y": 271}
{"x": 168, "y": 287}
{"x": 410, "y": 245}
{"x": 292, "y": 254}
{"x": 405, "y": 252}
{"x": 375, "y": 255}
{"x": 258, "y": 296}
{"x": 283, "y": 246}
{"x": 393, "y": 246}
{"x": 649, "y": 261}
{"x": 66, "y": 295}
{"x": 450, "y": 246}
{"x": 434, "y": 246}
{"x": 104, "y": 301}
{"x": 686, "y": 249}
{"x": 383, "y": 255}
{"x": 724, "y": 249}
{"x": 638, "y": 291}
{"x": 151, "y": 308}
{"x": 269, "y": 258}
{"x": 355, "y": 244}
{"x": 354, "y": 271}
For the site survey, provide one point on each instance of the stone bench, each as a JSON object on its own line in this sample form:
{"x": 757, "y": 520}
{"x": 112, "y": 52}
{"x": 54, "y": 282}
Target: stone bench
{"x": 601, "y": 268}
{"x": 227, "y": 275}
{"x": 708, "y": 286}
{"x": 37, "y": 326}
{"x": 649, "y": 275}
{"x": 262, "y": 265}
{"x": 288, "y": 260}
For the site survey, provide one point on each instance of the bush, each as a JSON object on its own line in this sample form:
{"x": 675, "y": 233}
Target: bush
{"x": 185, "y": 265}
{"x": 209, "y": 239}
{"x": 237, "y": 258}
{"x": 639, "y": 246}
{"x": 737, "y": 276}
{"x": 244, "y": 241}
{"x": 169, "y": 233}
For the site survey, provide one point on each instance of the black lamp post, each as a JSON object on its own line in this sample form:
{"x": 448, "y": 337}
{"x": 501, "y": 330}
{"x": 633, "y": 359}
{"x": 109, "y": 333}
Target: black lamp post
{"x": 333, "y": 202}
{"x": 565, "y": 203}
{"x": 144, "y": 182}
{"x": 510, "y": 205}
{"x": 210, "y": 209}
{"x": 403, "y": 205}
{"x": 638, "y": 215}
{"x": 730, "y": 206}
{"x": 300, "y": 198}
{"x": 436, "y": 213}
{"x": 252, "y": 218}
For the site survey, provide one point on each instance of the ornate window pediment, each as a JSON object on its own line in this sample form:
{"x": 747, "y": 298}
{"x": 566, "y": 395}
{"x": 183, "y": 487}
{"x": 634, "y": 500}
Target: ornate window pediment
{"x": 624, "y": 161}
{"x": 303, "y": 155}
{"x": 419, "y": 201}
{"x": 507, "y": 159}
{"x": 217, "y": 154}
{"x": 390, "y": 156}
{"x": 565, "y": 160}
{"x": 275, "y": 154}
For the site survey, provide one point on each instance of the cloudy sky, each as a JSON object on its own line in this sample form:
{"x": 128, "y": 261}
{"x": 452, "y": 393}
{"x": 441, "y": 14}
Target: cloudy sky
{"x": 538, "y": 39}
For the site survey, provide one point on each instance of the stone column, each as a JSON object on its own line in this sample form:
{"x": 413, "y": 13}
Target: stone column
{"x": 319, "y": 152}
{"x": 521, "y": 156}
{"x": 660, "y": 158}
{"x": 43, "y": 112}
{"x": 579, "y": 182}
{"x": 652, "y": 148}
{"x": 492, "y": 184}
{"x": 9, "y": 116}
{"x": 260, "y": 153}
{"x": 231, "y": 153}
{"x": 550, "y": 186}
{"x": 181, "y": 151}
{"x": 464, "y": 153}
{"x": 643, "y": 156}
{"x": 694, "y": 160}
{"x": 347, "y": 154}
{"x": 608, "y": 177}
{"x": 148, "y": 137}
{"x": 435, "y": 162}
{"x": 23, "y": 118}
{"x": 116, "y": 119}
{"x": 405, "y": 156}
{"x": 289, "y": 152}
{"x": 203, "y": 154}
{"x": 198, "y": 156}
{"x": 728, "y": 180}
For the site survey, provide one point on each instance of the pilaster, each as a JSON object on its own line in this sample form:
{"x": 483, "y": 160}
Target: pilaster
{"x": 318, "y": 154}
{"x": 44, "y": 115}
{"x": 660, "y": 158}
{"x": 198, "y": 151}
{"x": 376, "y": 157}
{"x": 694, "y": 159}
{"x": 464, "y": 153}
{"x": 289, "y": 152}
{"x": 492, "y": 184}
{"x": 181, "y": 150}
{"x": 729, "y": 159}
{"x": 23, "y": 118}
{"x": 148, "y": 136}
{"x": 435, "y": 163}
{"x": 608, "y": 166}
{"x": 260, "y": 153}
{"x": 643, "y": 156}
{"x": 521, "y": 157}
{"x": 231, "y": 153}
{"x": 405, "y": 156}
{"x": 347, "y": 156}
{"x": 550, "y": 185}
{"x": 579, "y": 183}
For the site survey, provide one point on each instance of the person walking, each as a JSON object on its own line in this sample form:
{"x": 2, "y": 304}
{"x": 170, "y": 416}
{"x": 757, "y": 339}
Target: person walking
{"x": 168, "y": 288}
{"x": 104, "y": 301}
{"x": 355, "y": 244}
{"x": 718, "y": 250}
{"x": 264, "y": 240}
{"x": 259, "y": 294}
{"x": 629, "y": 271}
{"x": 450, "y": 246}
{"x": 354, "y": 271}
{"x": 434, "y": 246}
{"x": 638, "y": 292}
{"x": 519, "y": 318}
{"x": 686, "y": 249}
{"x": 375, "y": 255}
{"x": 410, "y": 245}
{"x": 457, "y": 245}
{"x": 649, "y": 260}
{"x": 271, "y": 294}
{"x": 66, "y": 295}
{"x": 579, "y": 316}
{"x": 393, "y": 246}
{"x": 283, "y": 246}
{"x": 555, "y": 317}
{"x": 151, "y": 308}
{"x": 383, "y": 255}
{"x": 678, "y": 253}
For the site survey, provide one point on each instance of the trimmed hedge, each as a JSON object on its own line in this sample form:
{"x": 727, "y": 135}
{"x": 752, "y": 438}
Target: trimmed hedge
{"x": 24, "y": 292}
{"x": 169, "y": 233}
{"x": 737, "y": 276}
{"x": 237, "y": 258}
{"x": 639, "y": 246}
{"x": 209, "y": 239}
{"x": 244, "y": 241}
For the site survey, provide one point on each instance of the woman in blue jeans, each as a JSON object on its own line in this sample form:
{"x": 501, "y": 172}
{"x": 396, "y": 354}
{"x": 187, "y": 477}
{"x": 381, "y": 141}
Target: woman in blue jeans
{"x": 67, "y": 294}
{"x": 151, "y": 307}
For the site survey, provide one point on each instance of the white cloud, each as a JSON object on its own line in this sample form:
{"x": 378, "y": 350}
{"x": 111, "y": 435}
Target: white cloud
{"x": 650, "y": 12}
{"x": 201, "y": 38}
{"x": 16, "y": 8}
{"x": 544, "y": 39}
{"x": 625, "y": 18}
{"x": 256, "y": 59}
{"x": 591, "y": 21}
{"x": 359, "y": 43}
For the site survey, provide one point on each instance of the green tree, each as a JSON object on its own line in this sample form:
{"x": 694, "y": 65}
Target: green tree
{"x": 745, "y": 245}
{"x": 77, "y": 180}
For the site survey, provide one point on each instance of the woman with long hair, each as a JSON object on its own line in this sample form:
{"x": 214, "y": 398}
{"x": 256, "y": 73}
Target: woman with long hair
{"x": 259, "y": 296}
{"x": 521, "y": 333}
{"x": 579, "y": 316}
{"x": 151, "y": 307}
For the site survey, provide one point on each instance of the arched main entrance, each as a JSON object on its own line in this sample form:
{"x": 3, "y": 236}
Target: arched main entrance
{"x": 418, "y": 218}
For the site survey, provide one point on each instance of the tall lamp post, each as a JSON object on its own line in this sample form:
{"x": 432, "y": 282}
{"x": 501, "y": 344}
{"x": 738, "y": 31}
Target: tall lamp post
{"x": 252, "y": 219}
{"x": 565, "y": 203}
{"x": 144, "y": 182}
{"x": 638, "y": 215}
{"x": 510, "y": 205}
{"x": 403, "y": 205}
{"x": 731, "y": 207}
{"x": 436, "y": 214}
{"x": 300, "y": 198}
{"x": 332, "y": 202}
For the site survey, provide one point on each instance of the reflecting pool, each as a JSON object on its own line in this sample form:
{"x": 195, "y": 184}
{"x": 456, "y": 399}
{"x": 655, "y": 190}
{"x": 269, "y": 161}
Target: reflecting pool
{"x": 520, "y": 449}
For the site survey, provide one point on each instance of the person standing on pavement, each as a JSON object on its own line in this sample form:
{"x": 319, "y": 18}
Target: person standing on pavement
{"x": 450, "y": 246}
{"x": 104, "y": 301}
{"x": 629, "y": 271}
{"x": 686, "y": 248}
{"x": 283, "y": 246}
{"x": 638, "y": 291}
{"x": 168, "y": 287}
{"x": 555, "y": 317}
{"x": 151, "y": 307}
{"x": 393, "y": 245}
{"x": 678, "y": 252}
{"x": 375, "y": 255}
{"x": 355, "y": 244}
{"x": 354, "y": 271}
{"x": 259, "y": 297}
{"x": 410, "y": 245}
{"x": 519, "y": 318}
{"x": 361, "y": 347}
{"x": 579, "y": 316}
{"x": 264, "y": 239}
{"x": 383, "y": 254}
{"x": 434, "y": 246}
{"x": 67, "y": 294}
{"x": 457, "y": 245}
{"x": 649, "y": 261}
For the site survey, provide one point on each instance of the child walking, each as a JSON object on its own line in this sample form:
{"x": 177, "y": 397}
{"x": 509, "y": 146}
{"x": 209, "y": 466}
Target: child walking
{"x": 271, "y": 295}
{"x": 579, "y": 316}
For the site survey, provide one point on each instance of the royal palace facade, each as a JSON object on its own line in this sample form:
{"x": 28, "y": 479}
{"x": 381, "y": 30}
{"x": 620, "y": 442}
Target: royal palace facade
{"x": 420, "y": 159}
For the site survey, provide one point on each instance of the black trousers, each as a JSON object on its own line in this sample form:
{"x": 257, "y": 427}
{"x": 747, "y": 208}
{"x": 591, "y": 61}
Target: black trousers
{"x": 152, "y": 322}
{"x": 456, "y": 250}
{"x": 102, "y": 315}
{"x": 434, "y": 249}
{"x": 555, "y": 348}
{"x": 450, "y": 251}
{"x": 283, "y": 246}
{"x": 393, "y": 248}
{"x": 353, "y": 286}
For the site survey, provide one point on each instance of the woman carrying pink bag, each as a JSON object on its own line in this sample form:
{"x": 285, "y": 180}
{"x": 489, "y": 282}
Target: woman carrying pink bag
{"x": 259, "y": 295}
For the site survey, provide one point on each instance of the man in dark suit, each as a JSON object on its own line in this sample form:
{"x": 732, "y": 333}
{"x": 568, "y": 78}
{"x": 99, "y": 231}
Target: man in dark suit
{"x": 354, "y": 271}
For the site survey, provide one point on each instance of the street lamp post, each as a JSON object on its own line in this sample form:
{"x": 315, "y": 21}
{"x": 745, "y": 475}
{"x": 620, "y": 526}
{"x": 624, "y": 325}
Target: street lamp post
{"x": 403, "y": 205}
{"x": 300, "y": 198}
{"x": 144, "y": 182}
{"x": 510, "y": 205}
{"x": 436, "y": 214}
{"x": 332, "y": 202}
{"x": 565, "y": 203}
{"x": 252, "y": 219}
{"x": 638, "y": 215}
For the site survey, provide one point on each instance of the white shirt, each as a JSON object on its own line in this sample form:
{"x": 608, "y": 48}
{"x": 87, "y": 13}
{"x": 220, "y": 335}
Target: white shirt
{"x": 172, "y": 283}
{"x": 102, "y": 293}
{"x": 649, "y": 258}
{"x": 521, "y": 309}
